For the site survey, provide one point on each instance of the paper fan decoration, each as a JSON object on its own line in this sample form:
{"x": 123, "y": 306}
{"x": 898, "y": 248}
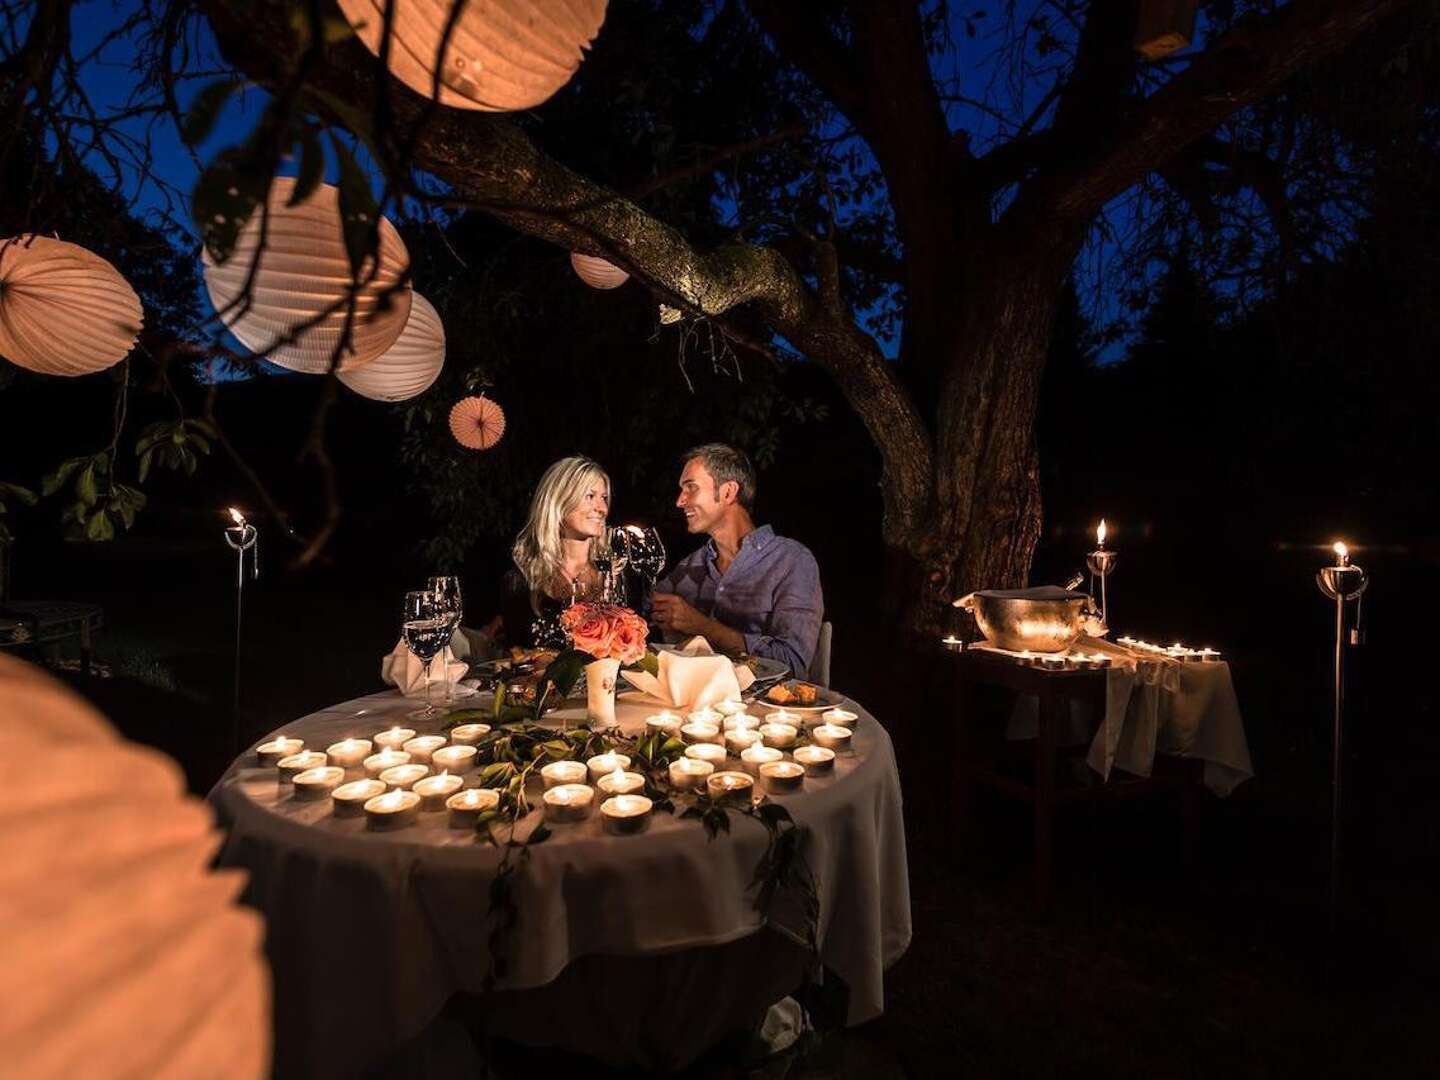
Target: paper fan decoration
{"x": 501, "y": 55}
{"x": 598, "y": 273}
{"x": 409, "y": 367}
{"x": 115, "y": 934}
{"x": 63, "y": 310}
{"x": 477, "y": 423}
{"x": 304, "y": 272}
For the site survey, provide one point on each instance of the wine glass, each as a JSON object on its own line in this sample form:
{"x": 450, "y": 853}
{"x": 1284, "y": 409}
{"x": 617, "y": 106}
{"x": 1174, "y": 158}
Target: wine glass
{"x": 427, "y": 629}
{"x": 450, "y": 600}
{"x": 643, "y": 549}
{"x": 608, "y": 557}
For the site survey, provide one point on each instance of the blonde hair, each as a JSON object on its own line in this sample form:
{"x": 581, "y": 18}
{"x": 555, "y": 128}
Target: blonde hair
{"x": 537, "y": 551}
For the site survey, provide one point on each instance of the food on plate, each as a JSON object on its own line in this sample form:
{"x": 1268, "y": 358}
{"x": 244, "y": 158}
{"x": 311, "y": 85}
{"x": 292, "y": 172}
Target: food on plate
{"x": 795, "y": 693}
{"x": 520, "y": 655}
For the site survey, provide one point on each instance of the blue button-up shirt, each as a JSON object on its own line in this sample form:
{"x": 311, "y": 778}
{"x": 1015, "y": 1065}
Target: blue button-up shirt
{"x": 770, "y": 593}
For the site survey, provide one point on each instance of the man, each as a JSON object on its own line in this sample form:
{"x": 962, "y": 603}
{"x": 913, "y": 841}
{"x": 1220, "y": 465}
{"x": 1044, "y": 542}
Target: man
{"x": 745, "y": 589}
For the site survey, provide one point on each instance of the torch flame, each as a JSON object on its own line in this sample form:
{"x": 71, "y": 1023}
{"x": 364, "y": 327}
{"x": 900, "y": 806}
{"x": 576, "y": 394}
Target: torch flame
{"x": 1342, "y": 553}
{"x": 238, "y": 516}
{"x": 1100, "y": 533}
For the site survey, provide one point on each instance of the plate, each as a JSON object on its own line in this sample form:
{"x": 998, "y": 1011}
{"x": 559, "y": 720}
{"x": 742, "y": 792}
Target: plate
{"x": 824, "y": 699}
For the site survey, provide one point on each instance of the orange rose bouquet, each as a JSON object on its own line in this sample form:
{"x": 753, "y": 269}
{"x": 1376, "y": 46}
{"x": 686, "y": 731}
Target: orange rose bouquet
{"x": 606, "y": 631}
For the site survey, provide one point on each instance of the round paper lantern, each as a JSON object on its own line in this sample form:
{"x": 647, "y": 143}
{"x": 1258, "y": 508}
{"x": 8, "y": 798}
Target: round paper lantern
{"x": 597, "y": 273}
{"x": 477, "y": 423}
{"x": 501, "y": 55}
{"x": 63, "y": 310}
{"x": 114, "y": 932}
{"x": 411, "y": 365}
{"x": 303, "y": 272}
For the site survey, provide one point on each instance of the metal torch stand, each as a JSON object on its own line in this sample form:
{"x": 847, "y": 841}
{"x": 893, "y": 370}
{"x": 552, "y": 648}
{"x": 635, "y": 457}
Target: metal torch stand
{"x": 242, "y": 539}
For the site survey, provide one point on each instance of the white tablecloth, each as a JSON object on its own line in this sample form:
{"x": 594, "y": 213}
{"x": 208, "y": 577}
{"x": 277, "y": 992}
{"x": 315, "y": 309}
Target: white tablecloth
{"x": 370, "y": 933}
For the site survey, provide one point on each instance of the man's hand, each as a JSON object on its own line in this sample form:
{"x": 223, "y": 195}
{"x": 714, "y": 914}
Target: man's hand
{"x": 671, "y": 612}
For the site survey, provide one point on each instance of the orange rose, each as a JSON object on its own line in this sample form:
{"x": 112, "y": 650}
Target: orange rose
{"x": 628, "y": 642}
{"x": 590, "y": 631}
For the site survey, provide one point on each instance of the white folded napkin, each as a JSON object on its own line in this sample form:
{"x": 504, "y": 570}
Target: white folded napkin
{"x": 692, "y": 681}
{"x": 401, "y": 668}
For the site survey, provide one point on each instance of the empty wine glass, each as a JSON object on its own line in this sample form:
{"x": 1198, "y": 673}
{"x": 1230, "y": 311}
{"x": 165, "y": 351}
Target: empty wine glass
{"x": 427, "y": 630}
{"x": 449, "y": 599}
{"x": 643, "y": 549}
{"x": 609, "y": 558}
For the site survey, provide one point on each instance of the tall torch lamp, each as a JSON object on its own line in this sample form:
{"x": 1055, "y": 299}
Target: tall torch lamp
{"x": 243, "y": 537}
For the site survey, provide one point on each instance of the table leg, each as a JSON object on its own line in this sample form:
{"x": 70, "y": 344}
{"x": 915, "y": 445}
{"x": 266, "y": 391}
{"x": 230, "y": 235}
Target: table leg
{"x": 962, "y": 783}
{"x": 1191, "y": 779}
{"x": 1051, "y": 717}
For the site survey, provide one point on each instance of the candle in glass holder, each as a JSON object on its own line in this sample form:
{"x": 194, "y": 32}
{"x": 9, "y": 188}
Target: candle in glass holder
{"x": 740, "y": 739}
{"x": 700, "y": 732}
{"x": 395, "y": 738}
{"x": 393, "y": 809}
{"x": 435, "y": 790}
{"x": 453, "y": 759}
{"x": 467, "y": 806}
{"x": 288, "y": 767}
{"x": 784, "y": 716}
{"x": 665, "y": 722}
{"x": 375, "y": 764}
{"x": 843, "y": 717}
{"x": 688, "y": 774}
{"x": 780, "y": 736}
{"x": 563, "y": 772}
{"x": 752, "y": 758}
{"x": 621, "y": 782}
{"x": 625, "y": 814}
{"x": 567, "y": 803}
{"x": 348, "y": 800}
{"x": 349, "y": 753}
{"x": 318, "y": 783}
{"x": 468, "y": 734}
{"x": 782, "y": 777}
{"x": 817, "y": 760}
{"x": 832, "y": 737}
{"x": 704, "y": 715}
{"x": 740, "y": 722}
{"x": 270, "y": 753}
{"x": 601, "y": 764}
{"x": 707, "y": 751}
{"x": 730, "y": 787}
{"x": 403, "y": 777}
{"x": 730, "y": 707}
{"x": 421, "y": 747}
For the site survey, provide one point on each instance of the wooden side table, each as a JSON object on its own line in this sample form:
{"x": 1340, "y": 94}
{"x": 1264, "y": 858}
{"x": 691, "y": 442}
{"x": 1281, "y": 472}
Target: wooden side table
{"x": 36, "y": 623}
{"x": 980, "y": 741}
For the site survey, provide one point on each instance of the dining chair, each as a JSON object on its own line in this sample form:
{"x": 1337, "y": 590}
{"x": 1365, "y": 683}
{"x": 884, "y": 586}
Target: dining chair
{"x": 820, "y": 666}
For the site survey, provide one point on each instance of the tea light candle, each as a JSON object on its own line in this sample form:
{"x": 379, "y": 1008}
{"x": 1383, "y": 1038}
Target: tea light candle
{"x": 349, "y": 753}
{"x": 348, "y": 800}
{"x": 393, "y": 809}
{"x": 289, "y": 767}
{"x": 782, "y": 777}
{"x": 752, "y": 758}
{"x": 710, "y": 752}
{"x": 1208, "y": 655}
{"x": 666, "y": 722}
{"x": 730, "y": 707}
{"x": 568, "y": 803}
{"x": 740, "y": 739}
{"x": 313, "y": 784}
{"x": 621, "y": 782}
{"x": 270, "y": 753}
{"x": 395, "y": 738}
{"x": 601, "y": 764}
{"x": 434, "y": 791}
{"x": 688, "y": 774}
{"x": 453, "y": 759}
{"x": 952, "y": 643}
{"x": 403, "y": 777}
{"x": 563, "y": 772}
{"x": 740, "y": 722}
{"x": 705, "y": 715}
{"x": 817, "y": 760}
{"x": 784, "y": 716}
{"x": 843, "y": 717}
{"x": 780, "y": 736}
{"x": 832, "y": 736}
{"x": 700, "y": 732}
{"x": 468, "y": 734}
{"x": 375, "y": 764}
{"x": 1052, "y": 662}
{"x": 730, "y": 786}
{"x": 625, "y": 814}
{"x": 421, "y": 748}
{"x": 467, "y": 806}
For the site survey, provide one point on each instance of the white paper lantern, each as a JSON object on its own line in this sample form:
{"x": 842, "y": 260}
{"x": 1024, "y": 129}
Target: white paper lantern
{"x": 501, "y": 55}
{"x": 303, "y": 272}
{"x": 597, "y": 272}
{"x": 115, "y": 938}
{"x": 477, "y": 423}
{"x": 63, "y": 310}
{"x": 409, "y": 367}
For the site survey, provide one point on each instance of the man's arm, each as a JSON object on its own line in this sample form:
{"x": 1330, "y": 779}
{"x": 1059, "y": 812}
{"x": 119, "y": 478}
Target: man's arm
{"x": 794, "y": 625}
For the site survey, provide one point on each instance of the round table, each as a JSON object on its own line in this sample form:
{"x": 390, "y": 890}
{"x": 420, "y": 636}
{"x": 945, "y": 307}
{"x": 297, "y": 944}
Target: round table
{"x": 370, "y": 933}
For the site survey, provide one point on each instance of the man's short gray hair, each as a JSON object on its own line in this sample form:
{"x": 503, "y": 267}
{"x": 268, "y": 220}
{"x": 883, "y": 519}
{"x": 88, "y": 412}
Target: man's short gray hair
{"x": 725, "y": 462}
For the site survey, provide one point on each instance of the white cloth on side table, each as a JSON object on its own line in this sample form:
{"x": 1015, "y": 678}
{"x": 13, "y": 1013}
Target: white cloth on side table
{"x": 693, "y": 678}
{"x": 405, "y": 671}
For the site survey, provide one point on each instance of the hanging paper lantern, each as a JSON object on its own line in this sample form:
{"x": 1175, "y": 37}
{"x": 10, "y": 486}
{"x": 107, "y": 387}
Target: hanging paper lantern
{"x": 303, "y": 272}
{"x": 596, "y": 272}
{"x": 477, "y": 423}
{"x": 411, "y": 365}
{"x": 501, "y": 55}
{"x": 115, "y": 933}
{"x": 63, "y": 310}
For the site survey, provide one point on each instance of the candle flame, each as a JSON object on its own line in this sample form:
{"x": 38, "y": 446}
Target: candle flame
{"x": 1342, "y": 553}
{"x": 617, "y": 777}
{"x": 238, "y": 517}
{"x": 1100, "y": 533}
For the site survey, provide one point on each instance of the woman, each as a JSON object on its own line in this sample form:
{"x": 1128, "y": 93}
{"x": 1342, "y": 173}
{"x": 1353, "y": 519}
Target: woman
{"x": 552, "y": 552}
